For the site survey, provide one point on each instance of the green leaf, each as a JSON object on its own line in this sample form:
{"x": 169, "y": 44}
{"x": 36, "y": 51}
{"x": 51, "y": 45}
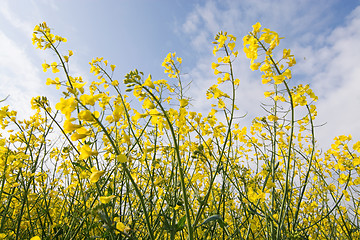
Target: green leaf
{"x": 211, "y": 219}
{"x": 180, "y": 225}
{"x": 217, "y": 218}
{"x": 4, "y": 99}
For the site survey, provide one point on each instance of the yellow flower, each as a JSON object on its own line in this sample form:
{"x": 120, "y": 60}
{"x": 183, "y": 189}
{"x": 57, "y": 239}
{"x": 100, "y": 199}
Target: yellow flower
{"x": 214, "y": 65}
{"x": 221, "y": 103}
{"x": 85, "y": 115}
{"x": 268, "y": 94}
{"x": 343, "y": 178}
{"x": 122, "y": 158}
{"x": 79, "y": 86}
{"x": 115, "y": 83}
{"x": 273, "y": 118}
{"x": 148, "y": 104}
{"x": 331, "y": 187}
{"x": 118, "y": 111}
{"x": 265, "y": 68}
{"x": 149, "y": 83}
{"x": 183, "y": 102}
{"x": 357, "y": 180}
{"x": 85, "y": 152}
{"x": 255, "y": 66}
{"x": 356, "y": 146}
{"x": 215, "y": 50}
{"x": 356, "y": 161}
{"x": 346, "y": 194}
{"x": 231, "y": 46}
{"x": 121, "y": 226}
{"x": 236, "y": 82}
{"x": 88, "y": 116}
{"x": 66, "y": 106}
{"x": 252, "y": 196}
{"x": 278, "y": 79}
{"x": 281, "y": 98}
{"x": 49, "y": 81}
{"x": 35, "y": 238}
{"x": 179, "y": 59}
{"x": 69, "y": 126}
{"x": 95, "y": 175}
{"x": 216, "y": 72}
{"x": 286, "y": 53}
{"x": 76, "y": 136}
{"x": 226, "y": 59}
{"x": 107, "y": 199}
{"x": 89, "y": 99}
{"x": 127, "y": 139}
{"x": 54, "y": 67}
{"x": 45, "y": 66}
{"x": 256, "y": 27}
{"x": 222, "y": 40}
{"x": 265, "y": 80}
{"x": 287, "y": 73}
{"x": 83, "y": 130}
{"x": 212, "y": 112}
{"x": 113, "y": 67}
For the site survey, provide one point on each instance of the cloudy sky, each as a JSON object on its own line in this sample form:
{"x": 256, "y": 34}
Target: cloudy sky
{"x": 324, "y": 36}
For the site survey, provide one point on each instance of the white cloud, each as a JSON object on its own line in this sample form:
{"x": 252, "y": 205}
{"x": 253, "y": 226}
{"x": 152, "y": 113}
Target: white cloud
{"x": 21, "y": 74}
{"x": 191, "y": 23}
{"x": 19, "y": 77}
{"x": 334, "y": 74}
{"x": 331, "y": 53}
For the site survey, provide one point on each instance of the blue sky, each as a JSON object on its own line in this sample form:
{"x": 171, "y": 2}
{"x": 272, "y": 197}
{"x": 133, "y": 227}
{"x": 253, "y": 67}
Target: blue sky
{"x": 324, "y": 36}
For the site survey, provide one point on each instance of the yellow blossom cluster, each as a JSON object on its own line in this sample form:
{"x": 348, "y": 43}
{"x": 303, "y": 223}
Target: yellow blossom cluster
{"x": 144, "y": 166}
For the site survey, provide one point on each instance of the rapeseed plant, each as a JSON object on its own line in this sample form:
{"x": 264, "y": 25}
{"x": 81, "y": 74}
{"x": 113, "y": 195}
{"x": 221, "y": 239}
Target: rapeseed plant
{"x": 118, "y": 171}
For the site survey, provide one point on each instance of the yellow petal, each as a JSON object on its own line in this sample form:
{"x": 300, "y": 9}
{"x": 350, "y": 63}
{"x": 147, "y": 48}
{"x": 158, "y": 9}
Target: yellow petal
{"x": 69, "y": 126}
{"x": 148, "y": 104}
{"x": 106, "y": 199}
{"x": 272, "y": 118}
{"x": 120, "y": 226}
{"x": 183, "y": 102}
{"x": 268, "y": 94}
{"x": 86, "y": 151}
{"x": 149, "y": 83}
{"x": 95, "y": 175}
{"x": 76, "y": 136}
{"x": 122, "y": 158}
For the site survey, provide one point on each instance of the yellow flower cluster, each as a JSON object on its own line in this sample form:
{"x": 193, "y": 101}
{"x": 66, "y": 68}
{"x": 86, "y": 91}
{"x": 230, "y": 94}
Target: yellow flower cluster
{"x": 46, "y": 39}
{"x": 147, "y": 167}
{"x": 257, "y": 40}
{"x": 171, "y": 65}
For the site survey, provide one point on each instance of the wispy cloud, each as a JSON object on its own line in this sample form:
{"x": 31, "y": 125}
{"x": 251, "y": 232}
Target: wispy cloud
{"x": 334, "y": 74}
{"x": 13, "y": 20}
{"x": 323, "y": 40}
{"x": 330, "y": 49}
{"x": 21, "y": 75}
